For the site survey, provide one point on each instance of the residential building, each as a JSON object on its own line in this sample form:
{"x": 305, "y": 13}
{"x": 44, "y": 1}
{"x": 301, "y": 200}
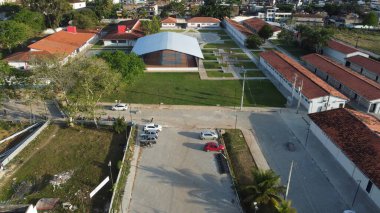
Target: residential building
{"x": 7, "y": 1}
{"x": 313, "y": 93}
{"x": 77, "y": 4}
{"x": 125, "y": 33}
{"x": 255, "y": 25}
{"x": 375, "y": 4}
{"x": 169, "y": 51}
{"x": 309, "y": 19}
{"x": 63, "y": 45}
{"x": 353, "y": 139}
{"x": 365, "y": 66}
{"x": 203, "y": 22}
{"x": 274, "y": 15}
{"x": 340, "y": 51}
{"x": 169, "y": 22}
{"x": 237, "y": 30}
{"x": 361, "y": 90}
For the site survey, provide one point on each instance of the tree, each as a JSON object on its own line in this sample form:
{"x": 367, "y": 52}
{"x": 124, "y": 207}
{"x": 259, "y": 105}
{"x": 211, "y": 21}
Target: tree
{"x": 129, "y": 65}
{"x": 35, "y": 20}
{"x": 5, "y": 73}
{"x": 285, "y": 206}
{"x": 156, "y": 24}
{"x": 266, "y": 32}
{"x": 214, "y": 8}
{"x": 265, "y": 189}
{"x": 285, "y": 7}
{"x": 371, "y": 19}
{"x": 102, "y": 8}
{"x": 52, "y": 9}
{"x": 253, "y": 41}
{"x": 151, "y": 26}
{"x": 10, "y": 9}
{"x": 85, "y": 19}
{"x": 13, "y": 34}
{"x": 286, "y": 35}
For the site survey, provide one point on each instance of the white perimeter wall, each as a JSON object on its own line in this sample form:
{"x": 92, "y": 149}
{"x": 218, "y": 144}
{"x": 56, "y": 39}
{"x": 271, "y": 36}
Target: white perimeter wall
{"x": 240, "y": 37}
{"x": 346, "y": 163}
{"x": 203, "y": 25}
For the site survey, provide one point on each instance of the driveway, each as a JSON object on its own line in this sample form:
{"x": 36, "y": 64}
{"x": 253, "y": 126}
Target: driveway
{"x": 175, "y": 175}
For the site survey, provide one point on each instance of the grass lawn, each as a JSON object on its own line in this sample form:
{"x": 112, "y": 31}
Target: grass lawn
{"x": 98, "y": 44}
{"x": 211, "y": 65}
{"x": 247, "y": 65}
{"x": 218, "y": 74}
{"x": 292, "y": 48}
{"x": 188, "y": 89}
{"x": 210, "y": 57}
{"x": 368, "y": 40}
{"x": 226, "y": 44}
{"x": 240, "y": 56}
{"x": 254, "y": 74}
{"x": 85, "y": 152}
{"x": 219, "y": 32}
{"x": 208, "y": 50}
{"x": 9, "y": 128}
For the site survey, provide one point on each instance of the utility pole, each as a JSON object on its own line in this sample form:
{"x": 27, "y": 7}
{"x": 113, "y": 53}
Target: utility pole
{"x": 242, "y": 92}
{"x": 288, "y": 185}
{"x": 300, "y": 96}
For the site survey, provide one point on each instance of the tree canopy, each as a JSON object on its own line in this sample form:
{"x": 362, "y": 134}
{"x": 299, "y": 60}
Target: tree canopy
{"x": 85, "y": 19}
{"x": 151, "y": 26}
{"x": 13, "y": 34}
{"x": 253, "y": 41}
{"x": 102, "y": 8}
{"x": 285, "y": 7}
{"x": 371, "y": 19}
{"x": 214, "y": 8}
{"x": 314, "y": 38}
{"x": 35, "y": 20}
{"x": 266, "y": 32}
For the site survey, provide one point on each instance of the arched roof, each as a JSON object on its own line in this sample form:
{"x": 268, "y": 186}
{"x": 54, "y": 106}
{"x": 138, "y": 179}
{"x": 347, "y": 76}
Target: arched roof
{"x": 168, "y": 41}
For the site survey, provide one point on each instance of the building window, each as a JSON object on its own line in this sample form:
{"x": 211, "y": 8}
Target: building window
{"x": 122, "y": 41}
{"x": 369, "y": 186}
{"x": 113, "y": 41}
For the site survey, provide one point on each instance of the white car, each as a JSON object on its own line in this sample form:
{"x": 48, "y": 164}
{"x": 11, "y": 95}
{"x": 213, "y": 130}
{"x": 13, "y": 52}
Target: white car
{"x": 120, "y": 107}
{"x": 208, "y": 135}
{"x": 152, "y": 127}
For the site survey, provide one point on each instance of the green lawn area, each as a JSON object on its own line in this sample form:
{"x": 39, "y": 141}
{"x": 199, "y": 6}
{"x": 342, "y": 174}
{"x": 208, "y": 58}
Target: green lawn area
{"x": 98, "y": 44}
{"x": 218, "y": 74}
{"x": 240, "y": 56}
{"x": 247, "y": 65}
{"x": 188, "y": 89}
{"x": 254, "y": 74}
{"x": 211, "y": 65}
{"x": 226, "y": 44}
{"x": 219, "y": 32}
{"x": 292, "y": 48}
{"x": 369, "y": 40}
{"x": 208, "y": 50}
{"x": 9, "y": 128}
{"x": 83, "y": 151}
{"x": 210, "y": 57}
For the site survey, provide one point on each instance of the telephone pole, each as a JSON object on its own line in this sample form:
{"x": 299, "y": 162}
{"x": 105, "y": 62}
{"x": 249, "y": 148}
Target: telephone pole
{"x": 242, "y": 92}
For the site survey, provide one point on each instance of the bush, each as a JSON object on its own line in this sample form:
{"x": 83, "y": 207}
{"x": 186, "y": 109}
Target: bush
{"x": 253, "y": 41}
{"x": 120, "y": 125}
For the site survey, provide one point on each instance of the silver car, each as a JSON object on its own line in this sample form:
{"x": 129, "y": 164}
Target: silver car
{"x": 208, "y": 135}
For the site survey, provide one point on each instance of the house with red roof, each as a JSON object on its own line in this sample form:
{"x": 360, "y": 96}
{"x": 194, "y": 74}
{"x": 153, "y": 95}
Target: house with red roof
{"x": 340, "y": 51}
{"x": 255, "y": 25}
{"x": 362, "y": 91}
{"x": 302, "y": 86}
{"x": 203, "y": 22}
{"x": 63, "y": 45}
{"x": 169, "y": 23}
{"x": 237, "y": 30}
{"x": 353, "y": 138}
{"x": 365, "y": 66}
{"x": 125, "y": 33}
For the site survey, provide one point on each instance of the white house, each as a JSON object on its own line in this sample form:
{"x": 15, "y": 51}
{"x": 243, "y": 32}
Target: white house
{"x": 125, "y": 33}
{"x": 361, "y": 90}
{"x": 77, "y": 4}
{"x": 339, "y": 51}
{"x": 315, "y": 94}
{"x": 365, "y": 66}
{"x": 353, "y": 139}
{"x": 169, "y": 23}
{"x": 237, "y": 30}
{"x": 63, "y": 45}
{"x": 203, "y": 22}
{"x": 274, "y": 15}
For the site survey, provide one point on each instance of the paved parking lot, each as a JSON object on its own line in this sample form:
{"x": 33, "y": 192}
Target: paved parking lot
{"x": 175, "y": 175}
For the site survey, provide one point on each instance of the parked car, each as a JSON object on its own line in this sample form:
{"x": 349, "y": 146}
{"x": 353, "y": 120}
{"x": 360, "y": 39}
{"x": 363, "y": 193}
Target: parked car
{"x": 152, "y": 127}
{"x": 213, "y": 146}
{"x": 149, "y": 136}
{"x": 120, "y": 107}
{"x": 208, "y": 135}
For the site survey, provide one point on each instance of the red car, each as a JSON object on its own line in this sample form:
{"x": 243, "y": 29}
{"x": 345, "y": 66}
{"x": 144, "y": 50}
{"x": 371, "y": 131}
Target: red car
{"x": 213, "y": 146}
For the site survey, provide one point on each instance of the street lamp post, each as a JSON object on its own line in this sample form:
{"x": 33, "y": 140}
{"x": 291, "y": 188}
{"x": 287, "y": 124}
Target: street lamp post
{"x": 255, "y": 206}
{"x": 242, "y": 92}
{"x": 109, "y": 165}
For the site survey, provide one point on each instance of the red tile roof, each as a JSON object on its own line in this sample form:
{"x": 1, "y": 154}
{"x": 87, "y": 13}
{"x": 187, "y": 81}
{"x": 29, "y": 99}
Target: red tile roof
{"x": 356, "y": 82}
{"x": 239, "y": 27}
{"x": 313, "y": 87}
{"x": 203, "y": 20}
{"x": 169, "y": 20}
{"x": 351, "y": 132}
{"x": 26, "y": 56}
{"x": 135, "y": 31}
{"x": 367, "y": 63}
{"x": 256, "y": 24}
{"x": 62, "y": 42}
{"x": 340, "y": 47}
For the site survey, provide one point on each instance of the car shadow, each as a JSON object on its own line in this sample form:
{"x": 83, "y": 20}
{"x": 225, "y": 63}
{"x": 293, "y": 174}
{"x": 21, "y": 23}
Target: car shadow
{"x": 196, "y": 146}
{"x": 194, "y": 135}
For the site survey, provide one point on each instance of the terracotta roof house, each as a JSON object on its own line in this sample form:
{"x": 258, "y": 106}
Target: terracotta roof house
{"x": 365, "y": 66}
{"x": 353, "y": 139}
{"x": 340, "y": 51}
{"x": 203, "y": 22}
{"x": 313, "y": 93}
{"x": 169, "y": 22}
{"x": 358, "y": 88}
{"x": 255, "y": 25}
{"x": 125, "y": 33}
{"x": 62, "y": 44}
{"x": 237, "y": 30}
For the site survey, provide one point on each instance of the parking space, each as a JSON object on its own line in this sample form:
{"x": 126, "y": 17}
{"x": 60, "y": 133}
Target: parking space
{"x": 175, "y": 175}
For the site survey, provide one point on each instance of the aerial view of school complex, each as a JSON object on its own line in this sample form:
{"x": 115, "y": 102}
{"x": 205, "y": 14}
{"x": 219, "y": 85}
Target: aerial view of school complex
{"x": 190, "y": 106}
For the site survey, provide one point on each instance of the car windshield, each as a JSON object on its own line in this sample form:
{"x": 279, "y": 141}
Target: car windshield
{"x": 155, "y": 125}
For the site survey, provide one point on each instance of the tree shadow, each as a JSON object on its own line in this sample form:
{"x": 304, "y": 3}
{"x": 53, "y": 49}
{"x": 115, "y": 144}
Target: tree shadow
{"x": 195, "y": 146}
{"x": 194, "y": 135}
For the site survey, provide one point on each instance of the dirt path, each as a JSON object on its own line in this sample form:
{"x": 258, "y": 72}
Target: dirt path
{"x": 13, "y": 168}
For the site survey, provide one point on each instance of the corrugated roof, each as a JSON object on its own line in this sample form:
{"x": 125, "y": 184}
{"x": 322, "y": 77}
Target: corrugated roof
{"x": 256, "y": 24}
{"x": 338, "y": 46}
{"x": 168, "y": 41}
{"x": 239, "y": 27}
{"x": 313, "y": 87}
{"x": 356, "y": 82}
{"x": 367, "y": 63}
{"x": 350, "y": 131}
{"x": 203, "y": 20}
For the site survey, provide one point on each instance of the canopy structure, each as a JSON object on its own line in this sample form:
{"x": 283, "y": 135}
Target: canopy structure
{"x": 168, "y": 41}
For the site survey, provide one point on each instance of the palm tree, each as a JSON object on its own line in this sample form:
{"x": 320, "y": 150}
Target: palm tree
{"x": 265, "y": 189}
{"x": 285, "y": 206}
